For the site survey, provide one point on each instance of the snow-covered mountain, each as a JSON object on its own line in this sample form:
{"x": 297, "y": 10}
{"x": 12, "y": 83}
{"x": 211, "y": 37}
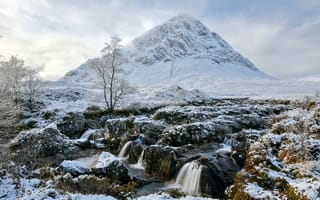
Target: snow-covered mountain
{"x": 181, "y": 51}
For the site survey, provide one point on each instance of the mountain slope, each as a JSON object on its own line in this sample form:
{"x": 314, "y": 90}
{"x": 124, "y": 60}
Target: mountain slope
{"x": 181, "y": 51}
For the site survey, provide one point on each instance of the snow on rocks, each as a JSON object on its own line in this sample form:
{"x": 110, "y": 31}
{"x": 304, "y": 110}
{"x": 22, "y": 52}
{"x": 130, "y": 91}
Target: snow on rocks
{"x": 73, "y": 167}
{"x": 281, "y": 163}
{"x": 110, "y": 166}
{"x": 41, "y": 143}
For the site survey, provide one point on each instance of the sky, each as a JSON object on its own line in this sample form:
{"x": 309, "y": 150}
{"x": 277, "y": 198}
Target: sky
{"x": 281, "y": 37}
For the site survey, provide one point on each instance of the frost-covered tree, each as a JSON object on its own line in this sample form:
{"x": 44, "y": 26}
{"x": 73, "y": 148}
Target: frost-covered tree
{"x": 111, "y": 75}
{"x": 32, "y": 86}
{"x": 12, "y": 74}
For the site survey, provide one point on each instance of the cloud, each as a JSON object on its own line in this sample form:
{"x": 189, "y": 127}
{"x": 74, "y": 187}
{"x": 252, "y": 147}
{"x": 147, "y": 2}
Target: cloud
{"x": 277, "y": 48}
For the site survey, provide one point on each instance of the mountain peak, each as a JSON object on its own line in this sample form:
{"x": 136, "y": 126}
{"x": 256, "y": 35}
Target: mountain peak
{"x": 181, "y": 51}
{"x": 180, "y": 37}
{"x": 183, "y": 18}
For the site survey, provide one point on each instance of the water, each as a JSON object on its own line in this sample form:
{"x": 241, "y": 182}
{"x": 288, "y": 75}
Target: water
{"x": 189, "y": 178}
{"x": 139, "y": 164}
{"x": 124, "y": 150}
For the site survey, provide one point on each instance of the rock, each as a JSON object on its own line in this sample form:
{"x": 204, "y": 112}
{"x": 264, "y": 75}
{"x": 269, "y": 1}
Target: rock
{"x": 186, "y": 114}
{"x": 252, "y": 121}
{"x": 72, "y": 125}
{"x": 75, "y": 168}
{"x": 240, "y": 144}
{"x": 110, "y": 166}
{"x": 119, "y": 127}
{"x": 41, "y": 143}
{"x": 217, "y": 174}
{"x": 92, "y": 139}
{"x": 150, "y": 129}
{"x": 91, "y": 124}
{"x": 160, "y": 161}
{"x": 195, "y": 133}
{"x": 135, "y": 150}
{"x": 29, "y": 123}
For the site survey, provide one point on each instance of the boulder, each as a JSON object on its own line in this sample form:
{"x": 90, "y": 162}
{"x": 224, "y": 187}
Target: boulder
{"x": 75, "y": 168}
{"x": 72, "y": 125}
{"x": 150, "y": 129}
{"x": 91, "y": 139}
{"x": 135, "y": 151}
{"x": 110, "y": 166}
{"x": 218, "y": 172}
{"x": 41, "y": 143}
{"x": 160, "y": 161}
{"x": 119, "y": 126}
{"x": 195, "y": 133}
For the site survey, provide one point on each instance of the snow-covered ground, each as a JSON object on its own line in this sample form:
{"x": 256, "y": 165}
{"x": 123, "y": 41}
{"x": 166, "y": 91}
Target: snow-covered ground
{"x": 61, "y": 95}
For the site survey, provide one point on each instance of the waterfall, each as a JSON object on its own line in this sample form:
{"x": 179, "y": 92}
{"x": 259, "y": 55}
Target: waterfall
{"x": 139, "y": 164}
{"x": 227, "y": 145}
{"x": 231, "y": 140}
{"x": 124, "y": 150}
{"x": 140, "y": 160}
{"x": 189, "y": 178}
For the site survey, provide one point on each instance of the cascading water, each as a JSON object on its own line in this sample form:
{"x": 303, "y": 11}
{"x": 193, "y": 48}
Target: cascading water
{"x": 227, "y": 144}
{"x": 124, "y": 150}
{"x": 231, "y": 140}
{"x": 139, "y": 164}
{"x": 189, "y": 178}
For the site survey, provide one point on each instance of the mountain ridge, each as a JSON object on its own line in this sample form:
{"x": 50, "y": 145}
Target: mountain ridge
{"x": 180, "y": 51}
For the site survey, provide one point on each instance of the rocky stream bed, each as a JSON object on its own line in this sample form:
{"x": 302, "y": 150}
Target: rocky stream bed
{"x": 221, "y": 149}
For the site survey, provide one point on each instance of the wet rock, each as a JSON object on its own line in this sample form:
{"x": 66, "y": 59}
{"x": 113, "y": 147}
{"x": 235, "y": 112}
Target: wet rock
{"x": 217, "y": 174}
{"x": 72, "y": 125}
{"x": 240, "y": 144}
{"x": 75, "y": 168}
{"x": 135, "y": 151}
{"x": 160, "y": 161}
{"x": 110, "y": 166}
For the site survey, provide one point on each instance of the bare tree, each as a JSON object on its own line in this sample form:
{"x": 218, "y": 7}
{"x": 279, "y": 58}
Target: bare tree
{"x": 13, "y": 72}
{"x": 32, "y": 86}
{"x": 110, "y": 74}
{"x": 10, "y": 79}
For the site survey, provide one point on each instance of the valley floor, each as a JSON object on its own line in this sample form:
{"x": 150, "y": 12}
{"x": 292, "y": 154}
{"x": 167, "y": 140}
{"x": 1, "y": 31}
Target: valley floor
{"x": 166, "y": 143}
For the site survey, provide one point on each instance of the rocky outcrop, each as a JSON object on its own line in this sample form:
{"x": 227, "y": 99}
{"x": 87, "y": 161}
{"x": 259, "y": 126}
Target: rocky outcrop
{"x": 151, "y": 129}
{"x": 39, "y": 143}
{"x": 218, "y": 172}
{"x": 110, "y": 166}
{"x": 195, "y": 133}
{"x": 72, "y": 125}
{"x": 160, "y": 161}
{"x": 119, "y": 126}
{"x": 135, "y": 150}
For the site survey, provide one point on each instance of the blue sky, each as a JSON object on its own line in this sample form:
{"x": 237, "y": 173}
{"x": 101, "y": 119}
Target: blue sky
{"x": 282, "y": 37}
